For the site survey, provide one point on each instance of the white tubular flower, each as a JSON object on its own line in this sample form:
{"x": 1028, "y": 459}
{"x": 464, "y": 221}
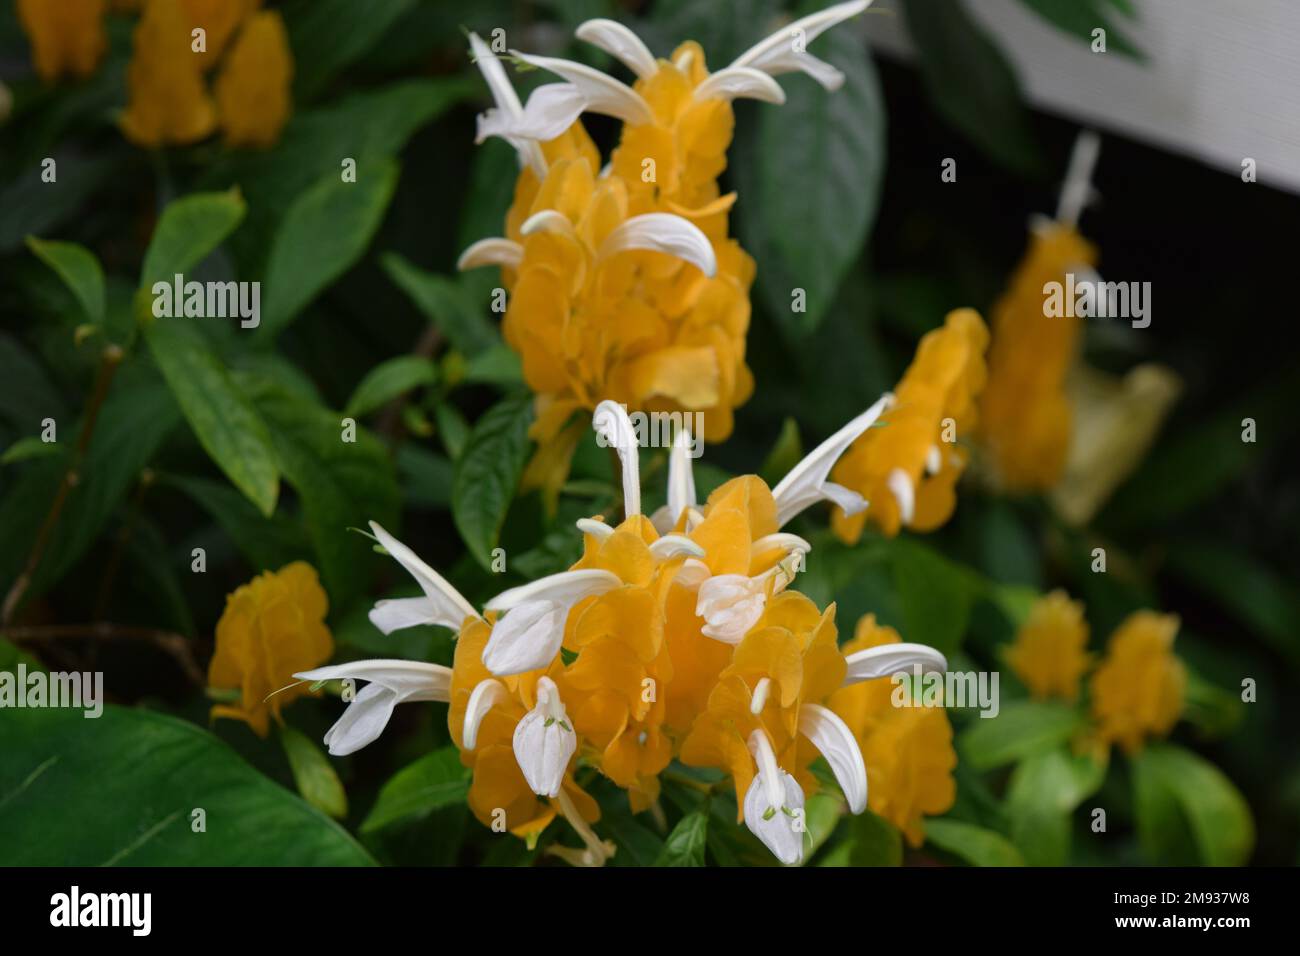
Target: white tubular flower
{"x": 730, "y": 604}
{"x": 391, "y": 682}
{"x": 544, "y": 741}
{"x": 487, "y": 694}
{"x": 547, "y": 220}
{"x": 594, "y": 527}
{"x": 885, "y": 660}
{"x": 662, "y": 232}
{"x": 601, "y": 93}
{"x": 442, "y": 603}
{"x": 529, "y": 636}
{"x": 774, "y": 803}
{"x": 596, "y": 851}
{"x": 614, "y": 430}
{"x": 681, "y": 484}
{"x": 832, "y": 737}
{"x": 740, "y": 82}
{"x": 620, "y": 43}
{"x": 507, "y": 118}
{"x": 900, "y": 486}
{"x": 674, "y": 546}
{"x": 808, "y": 482}
{"x": 491, "y": 252}
{"x": 786, "y": 50}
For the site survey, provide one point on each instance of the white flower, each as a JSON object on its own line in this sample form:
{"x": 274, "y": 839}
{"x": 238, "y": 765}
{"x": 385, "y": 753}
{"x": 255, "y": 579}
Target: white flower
{"x": 544, "y": 741}
{"x": 442, "y": 604}
{"x": 885, "y": 660}
{"x": 774, "y": 804}
{"x": 529, "y": 635}
{"x": 391, "y": 682}
{"x": 786, "y": 50}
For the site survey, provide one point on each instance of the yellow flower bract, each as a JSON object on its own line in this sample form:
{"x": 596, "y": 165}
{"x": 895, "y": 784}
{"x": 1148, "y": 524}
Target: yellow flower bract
{"x": 67, "y": 37}
{"x": 1138, "y": 690}
{"x": 1050, "y": 651}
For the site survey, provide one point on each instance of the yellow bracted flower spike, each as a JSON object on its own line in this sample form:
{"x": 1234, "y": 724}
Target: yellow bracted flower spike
{"x": 674, "y": 635}
{"x": 169, "y": 102}
{"x": 272, "y": 626}
{"x": 1138, "y": 689}
{"x": 908, "y": 468}
{"x": 68, "y": 37}
{"x": 253, "y": 87}
{"x": 1050, "y": 654}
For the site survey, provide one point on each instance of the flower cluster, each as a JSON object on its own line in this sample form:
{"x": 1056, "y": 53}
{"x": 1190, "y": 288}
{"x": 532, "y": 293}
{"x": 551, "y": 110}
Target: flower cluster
{"x": 675, "y": 635}
{"x": 623, "y": 282}
{"x": 1137, "y": 690}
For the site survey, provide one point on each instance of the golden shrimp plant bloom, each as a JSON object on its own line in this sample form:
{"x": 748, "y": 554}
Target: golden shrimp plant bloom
{"x": 674, "y": 635}
{"x": 624, "y": 284}
{"x": 1050, "y": 651}
{"x": 68, "y": 38}
{"x": 908, "y": 468}
{"x": 272, "y": 626}
{"x": 1139, "y": 687}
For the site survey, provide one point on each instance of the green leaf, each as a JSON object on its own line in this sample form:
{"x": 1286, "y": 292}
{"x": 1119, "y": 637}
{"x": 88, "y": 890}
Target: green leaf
{"x": 934, "y": 594}
{"x": 686, "y": 842}
{"x": 487, "y": 474}
{"x": 810, "y": 184}
{"x": 225, "y": 423}
{"x": 389, "y": 379}
{"x": 341, "y": 484}
{"x": 1168, "y": 780}
{"x": 145, "y": 815}
{"x": 312, "y": 773}
{"x": 425, "y": 476}
{"x": 323, "y": 234}
{"x": 1021, "y": 728}
{"x": 80, "y": 271}
{"x": 874, "y": 841}
{"x": 28, "y": 447}
{"x": 785, "y": 453}
{"x": 435, "y": 780}
{"x": 188, "y": 229}
{"x": 1045, "y": 789}
{"x": 1080, "y": 17}
{"x": 975, "y": 845}
{"x": 444, "y": 302}
{"x": 725, "y": 28}
{"x": 972, "y": 84}
{"x": 328, "y": 35}
{"x": 498, "y": 365}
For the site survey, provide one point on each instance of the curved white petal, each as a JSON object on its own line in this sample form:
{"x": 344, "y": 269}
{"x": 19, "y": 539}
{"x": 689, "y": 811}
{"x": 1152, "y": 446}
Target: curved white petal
{"x": 363, "y": 720}
{"x": 603, "y": 93}
{"x": 399, "y": 613}
{"x": 900, "y": 486}
{"x": 614, "y": 430}
{"x": 786, "y": 50}
{"x": 449, "y": 607}
{"x": 526, "y": 639}
{"x": 595, "y": 528}
{"x": 508, "y": 110}
{"x": 933, "y": 460}
{"x": 773, "y": 803}
{"x": 491, "y": 252}
{"x": 888, "y": 659}
{"x": 620, "y": 43}
{"x": 486, "y": 694}
{"x": 741, "y": 82}
{"x": 544, "y": 741}
{"x": 761, "y": 691}
{"x": 409, "y": 680}
{"x": 807, "y": 483}
{"x": 547, "y": 220}
{"x": 730, "y": 604}
{"x": 675, "y": 545}
{"x": 566, "y": 587}
{"x": 787, "y": 542}
{"x": 662, "y": 232}
{"x": 832, "y": 737}
{"x": 693, "y": 573}
{"x": 550, "y": 110}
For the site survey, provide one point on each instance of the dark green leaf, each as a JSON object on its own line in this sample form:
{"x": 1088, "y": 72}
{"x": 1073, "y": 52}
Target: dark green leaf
{"x": 487, "y": 474}
{"x": 975, "y": 845}
{"x": 1021, "y": 728}
{"x": 1045, "y": 789}
{"x": 1080, "y": 17}
{"x": 80, "y": 271}
{"x": 313, "y": 774}
{"x": 328, "y": 35}
{"x": 189, "y": 229}
{"x": 435, "y": 780}
{"x": 686, "y": 842}
{"x": 1166, "y": 777}
{"x": 444, "y": 302}
{"x": 387, "y": 380}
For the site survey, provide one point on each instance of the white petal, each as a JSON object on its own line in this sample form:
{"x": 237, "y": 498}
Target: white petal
{"x": 761, "y": 690}
{"x": 888, "y": 659}
{"x": 508, "y": 107}
{"x": 832, "y": 737}
{"x": 491, "y": 252}
{"x": 488, "y": 693}
{"x": 363, "y": 720}
{"x": 693, "y": 573}
{"x": 597, "y": 529}
{"x": 900, "y": 486}
{"x": 399, "y": 613}
{"x": 544, "y": 741}
{"x": 547, "y": 220}
{"x": 773, "y": 803}
{"x": 730, "y": 604}
{"x": 526, "y": 639}
{"x": 675, "y": 545}
{"x": 409, "y": 680}
{"x": 620, "y": 43}
{"x": 807, "y": 483}
{"x": 681, "y": 475}
{"x": 603, "y": 93}
{"x": 550, "y": 110}
{"x": 741, "y": 82}
{"x": 614, "y": 430}
{"x": 662, "y": 232}
{"x": 777, "y": 53}
{"x": 450, "y": 608}
{"x": 788, "y": 543}
{"x": 566, "y": 587}
{"x": 933, "y": 460}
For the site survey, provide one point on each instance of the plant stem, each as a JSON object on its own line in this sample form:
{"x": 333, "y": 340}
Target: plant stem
{"x": 169, "y": 642}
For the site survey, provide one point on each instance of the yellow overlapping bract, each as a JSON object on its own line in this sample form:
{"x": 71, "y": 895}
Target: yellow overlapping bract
{"x": 272, "y": 627}
{"x": 68, "y": 37}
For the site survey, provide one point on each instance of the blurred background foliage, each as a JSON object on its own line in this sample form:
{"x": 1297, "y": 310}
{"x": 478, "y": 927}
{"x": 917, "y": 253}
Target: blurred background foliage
{"x": 213, "y": 437}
